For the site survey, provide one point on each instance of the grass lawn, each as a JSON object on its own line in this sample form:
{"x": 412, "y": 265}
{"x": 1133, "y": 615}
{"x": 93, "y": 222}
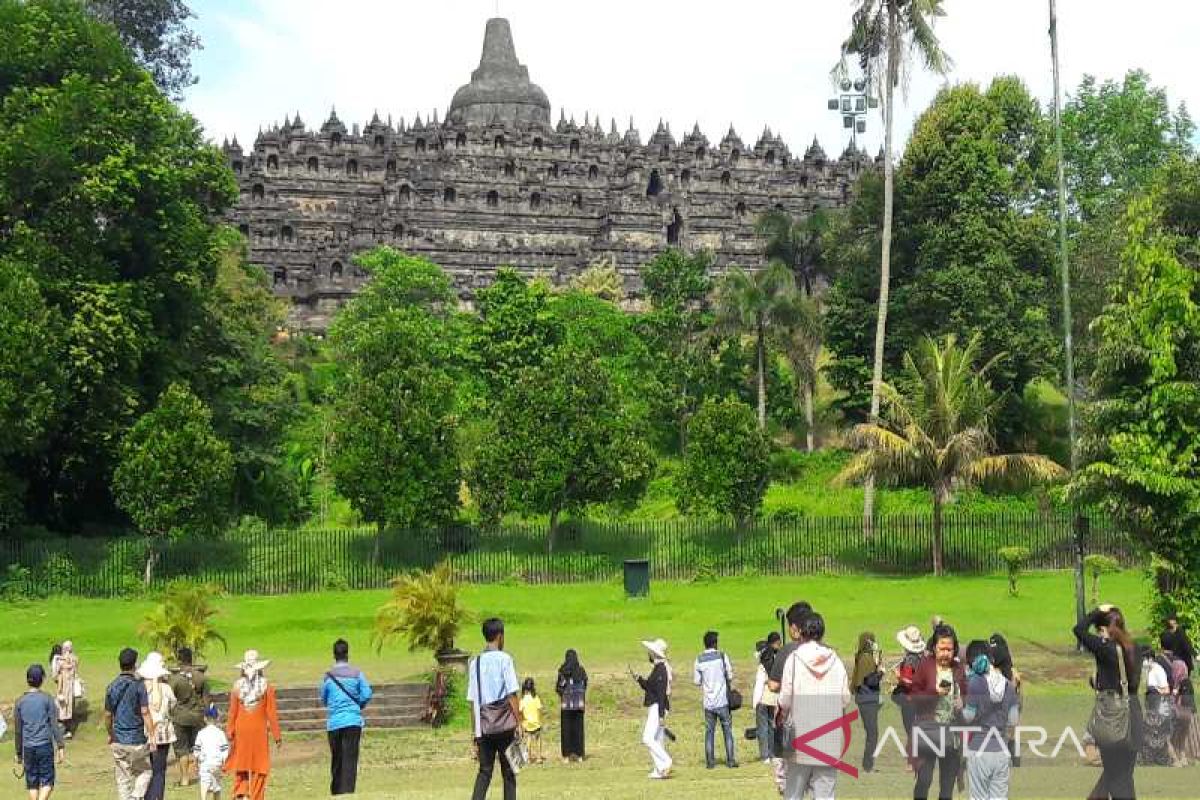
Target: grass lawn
{"x": 295, "y": 632}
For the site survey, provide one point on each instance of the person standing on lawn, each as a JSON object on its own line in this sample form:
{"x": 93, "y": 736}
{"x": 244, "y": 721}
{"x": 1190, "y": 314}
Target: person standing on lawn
{"x": 253, "y": 721}
{"x": 211, "y": 752}
{"x": 657, "y": 702}
{"x": 345, "y": 692}
{"x": 190, "y": 685}
{"x": 531, "y": 720}
{"x": 865, "y": 685}
{"x": 764, "y": 700}
{"x": 713, "y": 673}
{"x": 162, "y": 704}
{"x": 814, "y": 694}
{"x": 130, "y": 728}
{"x": 1117, "y": 672}
{"x": 64, "y": 666}
{"x": 572, "y": 698}
{"x": 492, "y": 691}
{"x": 1175, "y": 639}
{"x": 37, "y": 736}
{"x": 991, "y": 707}
{"x": 913, "y": 644}
{"x": 939, "y": 687}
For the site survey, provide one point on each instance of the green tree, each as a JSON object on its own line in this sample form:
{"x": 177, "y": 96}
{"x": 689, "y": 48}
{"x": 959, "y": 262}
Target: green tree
{"x": 936, "y": 432}
{"x": 601, "y": 280}
{"x": 798, "y": 243}
{"x": 885, "y": 36}
{"x": 1140, "y": 440}
{"x": 183, "y": 618}
{"x": 515, "y": 328}
{"x": 727, "y": 463}
{"x": 798, "y": 337}
{"x": 174, "y": 475}
{"x": 755, "y": 304}
{"x": 425, "y": 609}
{"x": 157, "y": 34}
{"x": 394, "y": 456}
{"x": 561, "y": 436}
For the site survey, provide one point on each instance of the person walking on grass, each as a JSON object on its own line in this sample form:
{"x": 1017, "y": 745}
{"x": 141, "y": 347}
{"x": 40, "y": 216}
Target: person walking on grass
{"x": 38, "y": 739}
{"x": 190, "y": 686}
{"x": 130, "y": 728}
{"x": 938, "y": 691}
{"x": 253, "y": 721}
{"x": 1175, "y": 639}
{"x": 1001, "y": 655}
{"x": 531, "y": 720}
{"x": 1117, "y": 673}
{"x": 865, "y": 685}
{"x": 64, "y": 668}
{"x": 657, "y": 702}
{"x": 814, "y": 693}
{"x": 492, "y": 690}
{"x": 571, "y": 686}
{"x": 913, "y": 645}
{"x": 345, "y": 692}
{"x": 210, "y": 751}
{"x": 991, "y": 708}
{"x": 153, "y": 673}
{"x": 713, "y": 673}
{"x": 764, "y": 700}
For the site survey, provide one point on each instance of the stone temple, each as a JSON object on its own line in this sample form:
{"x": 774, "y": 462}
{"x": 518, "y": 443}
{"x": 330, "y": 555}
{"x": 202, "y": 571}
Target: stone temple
{"x": 496, "y": 183}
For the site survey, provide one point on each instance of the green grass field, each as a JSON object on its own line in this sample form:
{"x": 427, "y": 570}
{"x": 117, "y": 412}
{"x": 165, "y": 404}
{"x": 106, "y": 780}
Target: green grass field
{"x": 296, "y": 631}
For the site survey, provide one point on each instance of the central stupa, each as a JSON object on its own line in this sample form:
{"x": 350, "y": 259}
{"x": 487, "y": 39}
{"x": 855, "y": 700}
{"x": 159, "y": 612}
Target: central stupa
{"x": 500, "y": 89}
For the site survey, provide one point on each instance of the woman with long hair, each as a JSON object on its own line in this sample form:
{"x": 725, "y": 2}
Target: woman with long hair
{"x": 1117, "y": 672}
{"x": 938, "y": 690}
{"x": 572, "y": 695}
{"x": 1001, "y": 656}
{"x": 865, "y": 685}
{"x": 154, "y": 673}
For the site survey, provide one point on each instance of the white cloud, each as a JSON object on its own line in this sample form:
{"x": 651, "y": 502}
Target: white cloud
{"x": 753, "y": 63}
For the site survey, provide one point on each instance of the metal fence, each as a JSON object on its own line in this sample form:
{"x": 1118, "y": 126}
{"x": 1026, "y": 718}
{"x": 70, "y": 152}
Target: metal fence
{"x": 280, "y": 561}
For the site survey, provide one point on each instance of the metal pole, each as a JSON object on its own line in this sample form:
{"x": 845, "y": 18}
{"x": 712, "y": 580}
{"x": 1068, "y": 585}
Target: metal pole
{"x": 1078, "y": 523}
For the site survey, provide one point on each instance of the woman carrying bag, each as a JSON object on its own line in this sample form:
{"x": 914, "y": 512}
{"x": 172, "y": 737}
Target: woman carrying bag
{"x": 1116, "y": 718}
{"x": 865, "y": 684}
{"x": 572, "y": 695}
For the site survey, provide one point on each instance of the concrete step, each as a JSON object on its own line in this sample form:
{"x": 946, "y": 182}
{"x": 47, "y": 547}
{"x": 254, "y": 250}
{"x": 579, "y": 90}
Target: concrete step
{"x": 391, "y": 706}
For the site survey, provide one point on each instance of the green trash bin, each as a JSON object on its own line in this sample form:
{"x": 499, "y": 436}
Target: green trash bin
{"x": 637, "y": 577}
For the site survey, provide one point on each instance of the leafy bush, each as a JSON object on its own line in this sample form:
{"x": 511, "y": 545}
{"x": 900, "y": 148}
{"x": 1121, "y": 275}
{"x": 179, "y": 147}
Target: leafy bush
{"x": 706, "y": 569}
{"x": 1096, "y": 565}
{"x": 183, "y": 618}
{"x": 1014, "y": 559}
{"x": 787, "y": 465}
{"x": 424, "y": 609}
{"x": 333, "y": 579}
{"x": 58, "y": 575}
{"x": 16, "y": 583}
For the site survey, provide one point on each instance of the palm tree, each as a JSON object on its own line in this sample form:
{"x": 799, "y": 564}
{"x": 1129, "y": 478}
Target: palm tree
{"x": 799, "y": 335}
{"x": 885, "y": 35}
{"x": 937, "y": 434}
{"x": 796, "y": 243}
{"x": 755, "y": 304}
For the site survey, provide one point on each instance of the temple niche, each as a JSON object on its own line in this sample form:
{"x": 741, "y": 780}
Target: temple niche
{"x": 496, "y": 183}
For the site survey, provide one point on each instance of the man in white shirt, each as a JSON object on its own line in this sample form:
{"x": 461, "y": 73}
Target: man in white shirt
{"x": 492, "y": 679}
{"x": 713, "y": 673}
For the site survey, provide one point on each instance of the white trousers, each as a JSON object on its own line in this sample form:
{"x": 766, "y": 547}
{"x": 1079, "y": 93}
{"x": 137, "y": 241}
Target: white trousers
{"x": 989, "y": 772}
{"x": 819, "y": 780}
{"x": 653, "y": 737}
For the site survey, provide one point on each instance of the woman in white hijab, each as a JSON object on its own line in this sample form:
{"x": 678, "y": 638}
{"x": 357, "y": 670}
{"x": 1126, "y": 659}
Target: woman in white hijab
{"x": 154, "y": 672}
{"x": 658, "y": 704}
{"x": 253, "y": 717}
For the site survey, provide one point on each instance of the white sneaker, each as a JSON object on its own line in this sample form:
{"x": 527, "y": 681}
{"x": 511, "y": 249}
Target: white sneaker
{"x": 654, "y": 775}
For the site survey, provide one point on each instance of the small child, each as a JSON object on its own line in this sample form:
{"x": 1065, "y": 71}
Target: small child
{"x": 211, "y": 750}
{"x": 531, "y": 720}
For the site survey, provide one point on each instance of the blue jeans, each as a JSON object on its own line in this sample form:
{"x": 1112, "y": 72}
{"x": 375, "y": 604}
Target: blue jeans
{"x": 710, "y": 725}
{"x": 764, "y": 723}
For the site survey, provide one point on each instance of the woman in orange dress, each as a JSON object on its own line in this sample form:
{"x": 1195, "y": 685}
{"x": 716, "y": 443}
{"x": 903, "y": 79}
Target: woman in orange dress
{"x": 253, "y": 717}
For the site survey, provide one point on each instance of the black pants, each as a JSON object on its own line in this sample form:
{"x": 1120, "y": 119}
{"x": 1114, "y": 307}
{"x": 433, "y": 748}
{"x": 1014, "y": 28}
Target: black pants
{"x": 947, "y": 767}
{"x": 868, "y": 713}
{"x": 571, "y": 728}
{"x": 343, "y": 763}
{"x": 1116, "y": 780}
{"x": 492, "y": 747}
{"x": 157, "y": 788}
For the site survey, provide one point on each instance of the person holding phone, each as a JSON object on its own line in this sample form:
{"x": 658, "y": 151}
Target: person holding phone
{"x": 938, "y": 688}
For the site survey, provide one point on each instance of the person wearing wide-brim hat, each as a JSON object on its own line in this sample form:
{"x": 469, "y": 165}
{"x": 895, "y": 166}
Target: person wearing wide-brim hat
{"x": 253, "y": 717}
{"x": 153, "y": 673}
{"x": 657, "y": 702}
{"x": 913, "y": 644}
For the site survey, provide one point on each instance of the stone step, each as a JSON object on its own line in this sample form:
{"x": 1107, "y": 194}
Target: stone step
{"x": 413, "y": 690}
{"x": 391, "y": 706}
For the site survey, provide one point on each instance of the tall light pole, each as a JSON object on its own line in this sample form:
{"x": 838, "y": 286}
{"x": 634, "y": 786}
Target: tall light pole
{"x": 852, "y": 104}
{"x": 1079, "y": 522}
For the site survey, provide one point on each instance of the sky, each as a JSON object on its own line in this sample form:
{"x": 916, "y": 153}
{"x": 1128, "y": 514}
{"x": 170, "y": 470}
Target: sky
{"x": 752, "y": 63}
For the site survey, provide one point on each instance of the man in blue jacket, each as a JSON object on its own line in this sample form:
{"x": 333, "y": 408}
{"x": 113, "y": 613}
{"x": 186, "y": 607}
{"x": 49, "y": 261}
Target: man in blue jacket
{"x": 344, "y": 693}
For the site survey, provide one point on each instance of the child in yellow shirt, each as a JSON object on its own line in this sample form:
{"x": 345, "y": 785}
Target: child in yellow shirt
{"x": 531, "y": 720}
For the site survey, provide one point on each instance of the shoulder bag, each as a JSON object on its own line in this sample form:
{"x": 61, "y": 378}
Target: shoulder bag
{"x": 573, "y": 695}
{"x": 361, "y": 705}
{"x": 1109, "y": 724}
{"x": 494, "y": 717}
{"x": 731, "y": 694}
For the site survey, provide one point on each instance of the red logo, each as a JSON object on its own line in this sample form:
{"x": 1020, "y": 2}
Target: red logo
{"x": 800, "y": 743}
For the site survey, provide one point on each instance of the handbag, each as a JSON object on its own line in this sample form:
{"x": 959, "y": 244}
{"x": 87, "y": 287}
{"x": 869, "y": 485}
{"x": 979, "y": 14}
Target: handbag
{"x": 1109, "y": 724}
{"x": 573, "y": 694}
{"x": 731, "y": 694}
{"x": 77, "y": 688}
{"x": 361, "y": 705}
{"x": 497, "y": 716}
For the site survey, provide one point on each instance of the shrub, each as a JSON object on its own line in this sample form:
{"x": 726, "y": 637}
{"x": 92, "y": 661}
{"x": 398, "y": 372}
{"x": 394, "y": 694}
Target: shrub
{"x": 333, "y": 579}
{"x": 16, "y": 583}
{"x": 183, "y": 618}
{"x": 706, "y": 569}
{"x": 424, "y": 609}
{"x": 1014, "y": 559}
{"x": 1096, "y": 565}
{"x": 787, "y": 465}
{"x": 58, "y": 575}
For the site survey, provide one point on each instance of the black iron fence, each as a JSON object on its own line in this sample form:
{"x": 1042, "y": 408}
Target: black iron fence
{"x": 279, "y": 561}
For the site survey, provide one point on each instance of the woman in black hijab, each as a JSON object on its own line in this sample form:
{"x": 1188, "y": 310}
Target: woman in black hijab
{"x": 572, "y": 694}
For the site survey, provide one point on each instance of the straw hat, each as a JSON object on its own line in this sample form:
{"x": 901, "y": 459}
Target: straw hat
{"x": 911, "y": 640}
{"x": 153, "y": 667}
{"x": 657, "y": 647}
{"x": 251, "y": 662}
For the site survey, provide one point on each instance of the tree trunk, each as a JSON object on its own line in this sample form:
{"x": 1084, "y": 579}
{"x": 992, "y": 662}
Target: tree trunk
{"x": 761, "y": 347}
{"x": 553, "y": 530}
{"x": 152, "y": 556}
{"x": 809, "y": 437}
{"x": 375, "y": 551}
{"x": 885, "y": 249}
{"x": 938, "y": 566}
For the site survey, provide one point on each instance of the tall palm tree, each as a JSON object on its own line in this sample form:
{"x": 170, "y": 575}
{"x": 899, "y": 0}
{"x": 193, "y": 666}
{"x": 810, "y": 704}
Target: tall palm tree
{"x": 755, "y": 304}
{"x": 885, "y": 37}
{"x": 797, "y": 243}
{"x": 799, "y": 336}
{"x": 937, "y": 432}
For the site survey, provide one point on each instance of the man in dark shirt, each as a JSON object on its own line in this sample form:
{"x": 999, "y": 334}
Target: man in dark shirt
{"x": 1175, "y": 639}
{"x": 190, "y": 686}
{"x": 795, "y": 616}
{"x": 130, "y": 729}
{"x": 35, "y": 719}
